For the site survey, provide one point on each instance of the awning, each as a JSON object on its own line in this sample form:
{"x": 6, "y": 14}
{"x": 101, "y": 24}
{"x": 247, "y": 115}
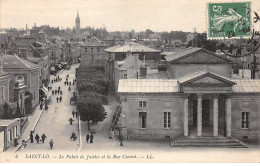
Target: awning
{"x": 45, "y": 90}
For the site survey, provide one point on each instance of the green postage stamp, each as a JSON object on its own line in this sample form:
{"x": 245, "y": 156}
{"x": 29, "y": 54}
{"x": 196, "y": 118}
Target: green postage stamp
{"x": 229, "y": 20}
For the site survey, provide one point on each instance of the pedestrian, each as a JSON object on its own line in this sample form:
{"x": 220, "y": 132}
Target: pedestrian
{"x": 51, "y": 143}
{"x": 60, "y": 99}
{"x": 73, "y": 83}
{"x": 76, "y": 114}
{"x": 52, "y": 81}
{"x": 52, "y": 92}
{"x": 61, "y": 92}
{"x": 59, "y": 88}
{"x": 91, "y": 138}
{"x": 23, "y": 144}
{"x": 37, "y": 138}
{"x": 58, "y": 77}
{"x": 73, "y": 136}
{"x": 43, "y": 137}
{"x": 69, "y": 88}
{"x": 48, "y": 88}
{"x": 73, "y": 113}
{"x": 55, "y": 91}
{"x": 57, "y": 98}
{"x": 64, "y": 82}
{"x": 31, "y": 136}
{"x": 58, "y": 92}
{"x": 87, "y": 138}
{"x": 71, "y": 120}
{"x": 75, "y": 80}
{"x": 41, "y": 105}
{"x": 67, "y": 79}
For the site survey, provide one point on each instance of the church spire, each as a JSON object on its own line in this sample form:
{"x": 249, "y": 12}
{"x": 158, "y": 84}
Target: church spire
{"x": 77, "y": 13}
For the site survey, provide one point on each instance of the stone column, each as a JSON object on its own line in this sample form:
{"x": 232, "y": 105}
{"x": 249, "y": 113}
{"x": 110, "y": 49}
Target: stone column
{"x": 228, "y": 116}
{"x": 215, "y": 116}
{"x": 186, "y": 116}
{"x": 199, "y": 115}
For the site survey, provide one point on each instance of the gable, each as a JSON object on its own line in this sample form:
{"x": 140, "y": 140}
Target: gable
{"x": 202, "y": 57}
{"x": 208, "y": 80}
{"x": 202, "y": 78}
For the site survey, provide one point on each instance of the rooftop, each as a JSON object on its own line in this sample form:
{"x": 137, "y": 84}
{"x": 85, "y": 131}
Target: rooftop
{"x": 94, "y": 41}
{"x": 132, "y": 47}
{"x": 174, "y": 56}
{"x": 15, "y": 62}
{"x": 7, "y": 122}
{"x": 148, "y": 86}
{"x": 246, "y": 86}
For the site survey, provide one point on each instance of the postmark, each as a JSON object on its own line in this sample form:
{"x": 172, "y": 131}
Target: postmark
{"x": 229, "y": 20}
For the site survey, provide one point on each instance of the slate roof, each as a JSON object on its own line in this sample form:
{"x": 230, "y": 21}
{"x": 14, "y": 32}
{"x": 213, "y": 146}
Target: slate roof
{"x": 132, "y": 47}
{"x": 15, "y": 62}
{"x": 159, "y": 75}
{"x": 147, "y": 86}
{"x": 188, "y": 51}
{"x": 129, "y": 63}
{"x": 246, "y": 86}
{"x": 94, "y": 41}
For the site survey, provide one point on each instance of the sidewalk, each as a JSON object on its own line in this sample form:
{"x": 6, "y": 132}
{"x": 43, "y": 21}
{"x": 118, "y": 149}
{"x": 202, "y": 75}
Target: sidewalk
{"x": 32, "y": 123}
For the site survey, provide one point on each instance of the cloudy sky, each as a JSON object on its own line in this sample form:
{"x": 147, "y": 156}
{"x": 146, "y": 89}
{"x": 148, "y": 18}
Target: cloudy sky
{"x": 157, "y": 15}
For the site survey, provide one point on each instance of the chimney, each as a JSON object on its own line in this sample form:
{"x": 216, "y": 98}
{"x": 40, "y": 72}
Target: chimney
{"x": 143, "y": 71}
{"x": 135, "y": 60}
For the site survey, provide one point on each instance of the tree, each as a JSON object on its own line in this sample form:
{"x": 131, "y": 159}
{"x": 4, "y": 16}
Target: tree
{"x": 90, "y": 108}
{"x": 202, "y": 42}
{"x": 7, "y": 114}
{"x": 28, "y": 102}
{"x": 148, "y": 32}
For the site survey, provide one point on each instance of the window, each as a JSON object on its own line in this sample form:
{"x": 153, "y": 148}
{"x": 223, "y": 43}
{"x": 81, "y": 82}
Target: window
{"x": 86, "y": 49}
{"x": 91, "y": 49}
{"x": 125, "y": 76}
{"x": 69, "y": 50}
{"x": 98, "y": 49}
{"x": 142, "y": 116}
{"x": 10, "y": 135}
{"x": 167, "y": 120}
{"x": 34, "y": 96}
{"x": 245, "y": 120}
{"x": 142, "y": 104}
{"x": 92, "y": 57}
{"x": 2, "y": 93}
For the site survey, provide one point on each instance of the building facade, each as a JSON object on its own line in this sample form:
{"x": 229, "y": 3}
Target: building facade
{"x": 200, "y": 100}
{"x": 22, "y": 71}
{"x": 93, "y": 53}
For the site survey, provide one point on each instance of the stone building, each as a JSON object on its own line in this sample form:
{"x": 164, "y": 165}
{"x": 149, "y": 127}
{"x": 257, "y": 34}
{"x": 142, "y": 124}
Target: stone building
{"x": 200, "y": 99}
{"x": 21, "y": 70}
{"x": 93, "y": 52}
{"x": 117, "y": 55}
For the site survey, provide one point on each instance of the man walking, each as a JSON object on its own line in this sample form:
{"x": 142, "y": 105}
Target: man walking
{"x": 43, "y": 137}
{"x": 57, "y": 98}
{"x": 91, "y": 138}
{"x": 31, "y": 136}
{"x": 51, "y": 143}
{"x": 60, "y": 99}
{"x": 87, "y": 138}
{"x": 73, "y": 113}
{"x": 71, "y": 120}
{"x": 37, "y": 138}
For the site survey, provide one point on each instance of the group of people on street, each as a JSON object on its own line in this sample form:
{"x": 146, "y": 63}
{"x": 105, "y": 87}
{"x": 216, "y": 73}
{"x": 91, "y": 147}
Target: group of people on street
{"x": 37, "y": 137}
{"x": 90, "y": 138}
{"x": 56, "y": 79}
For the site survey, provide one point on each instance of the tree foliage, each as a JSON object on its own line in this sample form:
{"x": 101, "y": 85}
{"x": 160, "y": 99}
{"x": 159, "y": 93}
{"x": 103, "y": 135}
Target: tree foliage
{"x": 28, "y": 102}
{"x": 7, "y": 113}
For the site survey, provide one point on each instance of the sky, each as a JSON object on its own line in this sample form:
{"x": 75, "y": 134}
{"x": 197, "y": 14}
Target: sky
{"x": 115, "y": 15}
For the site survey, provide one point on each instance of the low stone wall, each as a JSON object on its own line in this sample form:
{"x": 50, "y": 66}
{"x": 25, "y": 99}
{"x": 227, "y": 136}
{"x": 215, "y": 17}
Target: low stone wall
{"x": 154, "y": 134}
{"x": 247, "y": 136}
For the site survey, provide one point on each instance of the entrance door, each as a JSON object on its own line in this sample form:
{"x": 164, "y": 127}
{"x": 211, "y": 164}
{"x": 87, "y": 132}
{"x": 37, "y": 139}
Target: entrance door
{"x": 205, "y": 113}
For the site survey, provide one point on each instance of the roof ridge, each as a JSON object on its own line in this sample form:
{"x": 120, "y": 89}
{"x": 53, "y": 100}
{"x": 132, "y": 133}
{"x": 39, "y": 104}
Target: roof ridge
{"x": 22, "y": 61}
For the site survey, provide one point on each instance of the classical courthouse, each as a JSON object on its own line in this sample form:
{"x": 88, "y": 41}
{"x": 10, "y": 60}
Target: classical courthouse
{"x": 201, "y": 99}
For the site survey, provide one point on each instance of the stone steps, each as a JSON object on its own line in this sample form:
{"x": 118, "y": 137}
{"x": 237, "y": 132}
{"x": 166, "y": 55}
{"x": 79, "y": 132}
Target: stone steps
{"x": 213, "y": 142}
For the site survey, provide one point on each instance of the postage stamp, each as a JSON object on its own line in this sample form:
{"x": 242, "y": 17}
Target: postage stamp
{"x": 229, "y": 20}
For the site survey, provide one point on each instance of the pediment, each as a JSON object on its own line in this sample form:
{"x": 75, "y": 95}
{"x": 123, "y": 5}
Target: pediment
{"x": 205, "y": 78}
{"x": 203, "y": 57}
{"x": 208, "y": 80}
